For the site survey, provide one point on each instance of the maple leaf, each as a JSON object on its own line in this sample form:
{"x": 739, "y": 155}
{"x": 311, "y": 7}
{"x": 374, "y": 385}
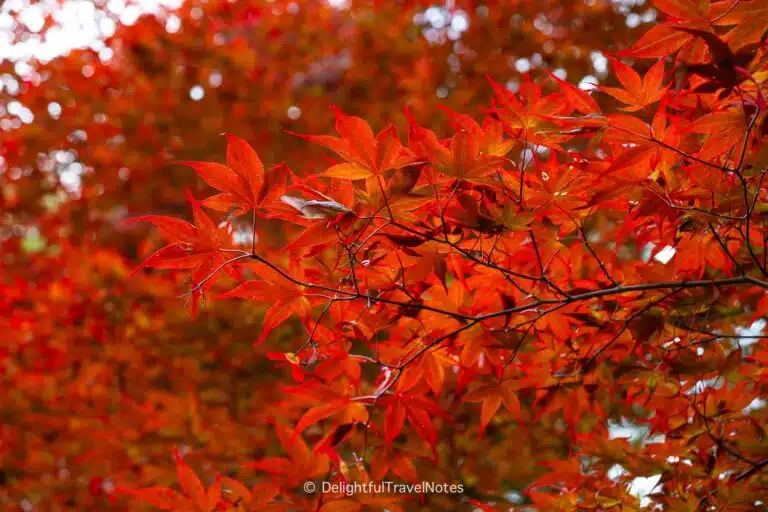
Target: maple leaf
{"x": 196, "y": 247}
{"x": 490, "y": 136}
{"x": 493, "y": 395}
{"x": 417, "y": 410}
{"x": 660, "y": 40}
{"x": 637, "y": 93}
{"x": 194, "y": 497}
{"x": 430, "y": 368}
{"x": 291, "y": 360}
{"x": 389, "y": 460}
{"x": 190, "y": 483}
{"x": 243, "y": 181}
{"x": 348, "y": 410}
{"x": 579, "y": 98}
{"x": 726, "y": 128}
{"x": 300, "y": 464}
{"x": 328, "y": 443}
{"x": 639, "y": 148}
{"x": 475, "y": 215}
{"x": 529, "y": 116}
{"x": 461, "y": 158}
{"x": 365, "y": 154}
{"x": 725, "y": 69}
{"x": 666, "y": 38}
{"x": 751, "y": 23}
{"x": 286, "y": 298}
{"x": 396, "y": 198}
{"x": 161, "y": 497}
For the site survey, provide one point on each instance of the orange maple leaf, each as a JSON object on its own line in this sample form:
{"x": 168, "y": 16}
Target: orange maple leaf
{"x": 243, "y": 181}
{"x": 637, "y": 93}
{"x": 366, "y": 154}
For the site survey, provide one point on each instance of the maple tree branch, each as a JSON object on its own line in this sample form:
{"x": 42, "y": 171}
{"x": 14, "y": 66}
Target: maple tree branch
{"x": 721, "y": 443}
{"x": 360, "y": 245}
{"x": 467, "y": 254}
{"x": 751, "y": 471}
{"x": 215, "y": 271}
{"x": 351, "y": 257}
{"x": 745, "y": 193}
{"x": 589, "y": 363}
{"x": 586, "y": 243}
{"x": 680, "y": 285}
{"x": 353, "y": 295}
{"x": 474, "y": 320}
{"x": 310, "y": 340}
{"x": 670, "y": 204}
{"x": 680, "y": 152}
{"x": 692, "y": 343}
{"x": 757, "y": 194}
{"x": 756, "y": 468}
{"x": 742, "y": 476}
{"x": 444, "y": 208}
{"x": 542, "y": 267}
{"x": 745, "y": 144}
{"x": 557, "y": 332}
{"x": 372, "y": 360}
{"x": 618, "y": 290}
{"x": 722, "y": 335}
{"x": 403, "y": 284}
{"x": 493, "y": 247}
{"x": 531, "y": 325}
{"x": 384, "y": 196}
{"x": 725, "y": 249}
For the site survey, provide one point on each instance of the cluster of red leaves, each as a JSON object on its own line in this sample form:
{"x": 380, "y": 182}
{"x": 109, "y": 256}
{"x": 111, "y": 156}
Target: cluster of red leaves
{"x": 509, "y": 265}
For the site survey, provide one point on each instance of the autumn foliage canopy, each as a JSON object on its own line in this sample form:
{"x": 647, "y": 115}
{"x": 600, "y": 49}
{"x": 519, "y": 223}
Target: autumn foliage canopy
{"x": 475, "y": 268}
